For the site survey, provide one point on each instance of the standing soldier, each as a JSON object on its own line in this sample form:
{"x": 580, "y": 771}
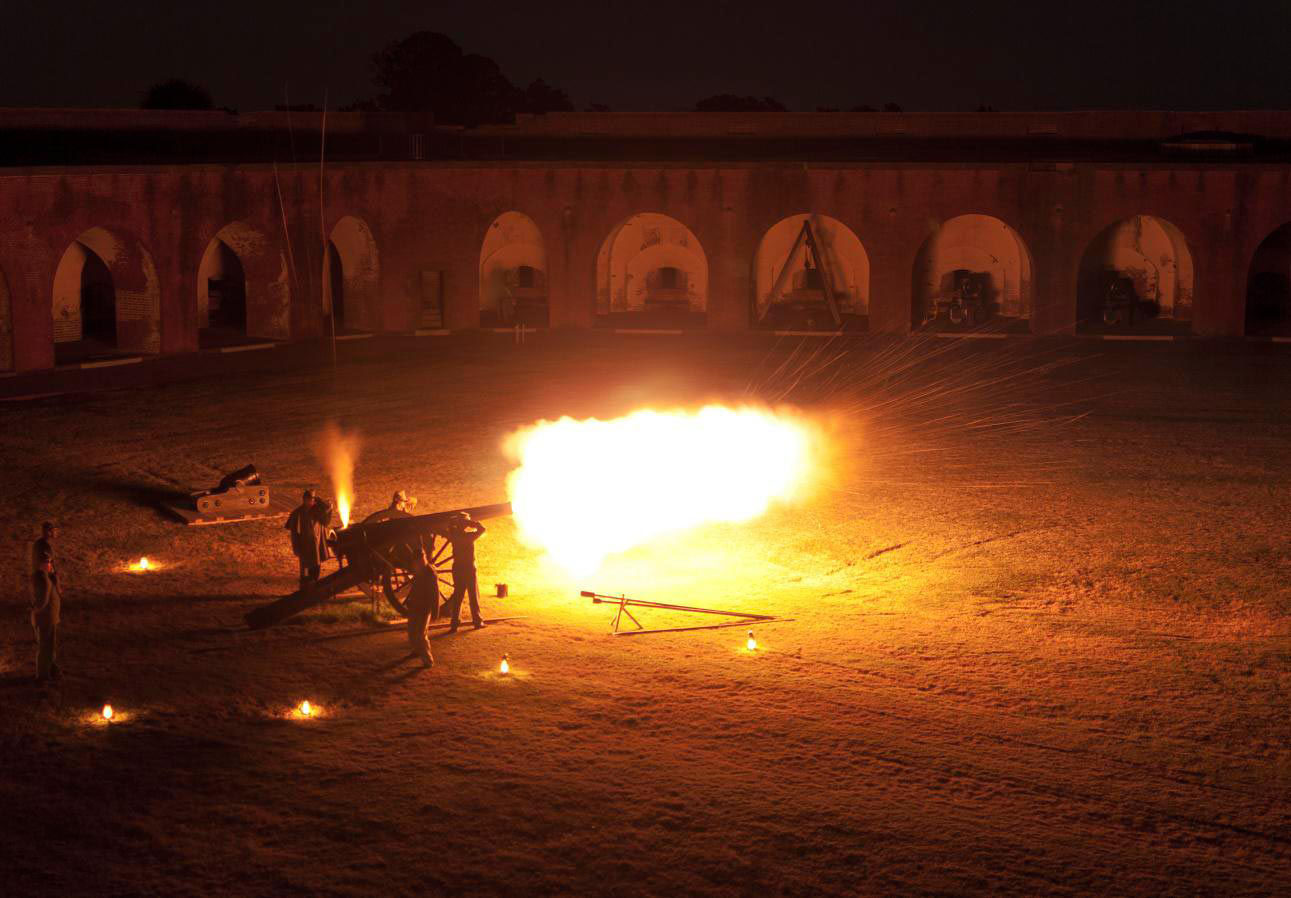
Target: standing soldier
{"x": 401, "y": 501}
{"x": 462, "y": 534}
{"x": 46, "y": 604}
{"x": 421, "y": 604}
{"x": 308, "y": 528}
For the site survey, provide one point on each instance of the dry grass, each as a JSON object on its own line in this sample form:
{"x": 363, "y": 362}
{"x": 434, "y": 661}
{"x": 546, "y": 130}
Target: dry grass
{"x": 1041, "y": 642}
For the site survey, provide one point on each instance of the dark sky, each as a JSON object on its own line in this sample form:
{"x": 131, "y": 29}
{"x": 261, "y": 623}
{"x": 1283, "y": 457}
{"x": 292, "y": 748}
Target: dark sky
{"x": 662, "y": 54}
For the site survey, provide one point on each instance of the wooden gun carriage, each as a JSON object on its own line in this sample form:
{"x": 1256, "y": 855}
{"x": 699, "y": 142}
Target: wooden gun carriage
{"x": 385, "y": 552}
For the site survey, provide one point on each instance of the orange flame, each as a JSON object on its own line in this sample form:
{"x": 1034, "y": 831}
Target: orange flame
{"x": 338, "y": 450}
{"x": 584, "y": 490}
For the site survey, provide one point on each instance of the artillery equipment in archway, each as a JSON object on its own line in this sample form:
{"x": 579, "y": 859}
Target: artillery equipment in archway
{"x": 386, "y": 552}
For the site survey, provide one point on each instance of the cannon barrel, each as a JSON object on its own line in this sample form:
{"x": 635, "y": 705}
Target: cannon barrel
{"x": 358, "y": 543}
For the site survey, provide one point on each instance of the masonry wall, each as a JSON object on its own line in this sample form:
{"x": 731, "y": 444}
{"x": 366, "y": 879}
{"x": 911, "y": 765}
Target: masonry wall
{"x": 433, "y": 217}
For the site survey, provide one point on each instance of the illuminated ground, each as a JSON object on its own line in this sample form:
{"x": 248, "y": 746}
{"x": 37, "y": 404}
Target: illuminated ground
{"x": 1053, "y": 662}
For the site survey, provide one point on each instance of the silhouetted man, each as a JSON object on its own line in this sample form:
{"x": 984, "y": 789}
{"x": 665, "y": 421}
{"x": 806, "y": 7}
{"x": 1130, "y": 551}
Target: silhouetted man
{"x": 401, "y": 501}
{"x": 421, "y": 604}
{"x": 308, "y": 528}
{"x": 46, "y": 604}
{"x": 462, "y": 534}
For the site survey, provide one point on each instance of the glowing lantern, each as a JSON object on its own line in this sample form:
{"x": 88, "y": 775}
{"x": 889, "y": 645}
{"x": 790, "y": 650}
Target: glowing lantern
{"x": 505, "y": 666}
{"x": 108, "y": 712}
{"x": 143, "y": 563}
{"x": 752, "y": 643}
{"x": 306, "y": 709}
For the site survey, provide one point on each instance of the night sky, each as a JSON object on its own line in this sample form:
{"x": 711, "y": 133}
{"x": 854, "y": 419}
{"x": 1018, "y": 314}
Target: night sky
{"x": 662, "y": 54}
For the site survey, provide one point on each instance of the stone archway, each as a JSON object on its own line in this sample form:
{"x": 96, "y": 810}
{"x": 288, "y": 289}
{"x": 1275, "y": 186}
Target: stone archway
{"x": 513, "y": 273}
{"x": 107, "y": 299}
{"x": 1136, "y": 277}
{"x": 352, "y": 276}
{"x": 790, "y": 281}
{"x": 1268, "y": 287}
{"x": 973, "y": 271}
{"x": 243, "y": 287}
{"x": 652, "y": 272}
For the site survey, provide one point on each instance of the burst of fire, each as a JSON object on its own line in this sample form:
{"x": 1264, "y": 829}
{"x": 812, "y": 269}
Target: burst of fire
{"x": 585, "y": 489}
{"x": 338, "y": 450}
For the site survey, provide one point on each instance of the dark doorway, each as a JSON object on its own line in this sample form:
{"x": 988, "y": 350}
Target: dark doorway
{"x": 336, "y": 285}
{"x": 98, "y": 305}
{"x": 1268, "y": 287}
{"x": 226, "y": 292}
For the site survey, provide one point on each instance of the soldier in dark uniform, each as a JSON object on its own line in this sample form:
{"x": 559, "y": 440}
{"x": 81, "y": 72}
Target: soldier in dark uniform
{"x": 462, "y": 534}
{"x": 46, "y": 603}
{"x": 308, "y": 526}
{"x": 421, "y": 604}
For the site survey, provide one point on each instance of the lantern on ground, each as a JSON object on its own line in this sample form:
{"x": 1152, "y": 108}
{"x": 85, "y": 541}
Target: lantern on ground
{"x": 751, "y": 644}
{"x": 505, "y": 666}
{"x": 107, "y": 713}
{"x": 306, "y": 709}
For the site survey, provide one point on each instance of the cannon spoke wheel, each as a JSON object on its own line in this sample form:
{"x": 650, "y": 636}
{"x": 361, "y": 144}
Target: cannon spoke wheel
{"x": 396, "y": 582}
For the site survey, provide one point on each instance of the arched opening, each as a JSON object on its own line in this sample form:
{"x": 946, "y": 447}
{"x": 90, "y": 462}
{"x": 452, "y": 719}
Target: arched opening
{"x": 802, "y": 262}
{"x": 106, "y": 298}
{"x": 974, "y": 271}
{"x": 243, "y": 288}
{"x": 1268, "y": 287}
{"x": 6, "y": 326}
{"x": 513, "y": 273}
{"x": 652, "y": 272}
{"x": 1136, "y": 277}
{"x": 221, "y": 293}
{"x": 352, "y": 276}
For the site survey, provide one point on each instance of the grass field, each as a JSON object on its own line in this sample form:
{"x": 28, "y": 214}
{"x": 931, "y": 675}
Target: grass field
{"x": 1040, "y": 641}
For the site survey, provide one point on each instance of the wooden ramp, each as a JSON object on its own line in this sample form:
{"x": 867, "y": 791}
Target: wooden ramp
{"x": 279, "y": 506}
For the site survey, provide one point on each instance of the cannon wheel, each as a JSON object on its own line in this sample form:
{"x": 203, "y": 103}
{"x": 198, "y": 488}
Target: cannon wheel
{"x": 396, "y": 583}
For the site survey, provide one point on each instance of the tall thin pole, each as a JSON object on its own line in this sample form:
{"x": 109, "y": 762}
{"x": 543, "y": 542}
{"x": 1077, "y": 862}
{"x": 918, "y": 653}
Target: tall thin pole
{"x": 322, "y": 227}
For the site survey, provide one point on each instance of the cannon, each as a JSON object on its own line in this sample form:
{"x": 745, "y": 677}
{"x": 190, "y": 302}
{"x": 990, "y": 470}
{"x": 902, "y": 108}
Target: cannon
{"x": 384, "y": 553}
{"x": 1122, "y": 304}
{"x": 964, "y": 298}
{"x": 239, "y": 496}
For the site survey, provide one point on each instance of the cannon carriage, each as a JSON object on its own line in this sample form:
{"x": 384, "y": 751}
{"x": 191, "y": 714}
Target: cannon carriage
{"x": 964, "y": 300}
{"x": 1121, "y": 302}
{"x": 384, "y": 554}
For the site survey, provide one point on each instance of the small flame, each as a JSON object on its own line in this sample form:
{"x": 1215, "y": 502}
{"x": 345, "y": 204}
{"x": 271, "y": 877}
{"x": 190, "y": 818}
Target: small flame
{"x": 142, "y": 565}
{"x": 752, "y": 643}
{"x": 108, "y": 712}
{"x": 306, "y": 709}
{"x": 338, "y": 450}
{"x": 505, "y": 666}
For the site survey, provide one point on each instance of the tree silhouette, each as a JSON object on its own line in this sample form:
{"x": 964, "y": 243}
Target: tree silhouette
{"x": 733, "y": 103}
{"x": 428, "y": 72}
{"x": 176, "y": 93}
{"x": 540, "y": 97}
